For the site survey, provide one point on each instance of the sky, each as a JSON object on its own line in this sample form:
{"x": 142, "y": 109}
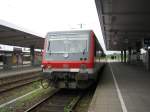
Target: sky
{"x": 42, "y": 16}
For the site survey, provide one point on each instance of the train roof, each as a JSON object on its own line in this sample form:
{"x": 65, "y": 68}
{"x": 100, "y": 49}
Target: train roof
{"x": 69, "y": 32}
{"x": 98, "y": 46}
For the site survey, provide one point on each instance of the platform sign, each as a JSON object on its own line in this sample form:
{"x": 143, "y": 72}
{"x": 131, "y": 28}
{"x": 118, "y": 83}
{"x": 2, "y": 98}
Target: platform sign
{"x": 147, "y": 42}
{"x": 15, "y": 49}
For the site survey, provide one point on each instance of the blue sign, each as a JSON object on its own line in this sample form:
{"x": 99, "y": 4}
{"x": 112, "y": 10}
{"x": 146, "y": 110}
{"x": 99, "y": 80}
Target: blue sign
{"x": 147, "y": 42}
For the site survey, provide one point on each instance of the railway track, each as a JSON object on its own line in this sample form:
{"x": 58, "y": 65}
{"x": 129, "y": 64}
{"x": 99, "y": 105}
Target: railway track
{"x": 9, "y": 83}
{"x": 61, "y": 101}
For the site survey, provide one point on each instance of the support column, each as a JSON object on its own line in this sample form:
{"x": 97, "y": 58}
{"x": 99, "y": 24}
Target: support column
{"x": 121, "y": 56}
{"x": 124, "y": 56}
{"x": 32, "y": 55}
{"x": 148, "y": 60}
{"x": 129, "y": 55}
{"x": 7, "y": 62}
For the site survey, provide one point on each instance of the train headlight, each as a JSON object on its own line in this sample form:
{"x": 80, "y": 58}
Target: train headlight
{"x": 49, "y": 67}
{"x": 42, "y": 66}
{"x": 46, "y": 67}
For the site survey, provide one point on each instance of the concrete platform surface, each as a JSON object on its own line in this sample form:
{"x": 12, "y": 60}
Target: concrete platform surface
{"x": 122, "y": 88}
{"x": 105, "y": 98}
{"x": 18, "y": 71}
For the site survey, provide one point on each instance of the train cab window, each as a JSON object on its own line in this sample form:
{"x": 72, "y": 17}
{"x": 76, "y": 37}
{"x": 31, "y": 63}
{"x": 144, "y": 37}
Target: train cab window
{"x": 68, "y": 45}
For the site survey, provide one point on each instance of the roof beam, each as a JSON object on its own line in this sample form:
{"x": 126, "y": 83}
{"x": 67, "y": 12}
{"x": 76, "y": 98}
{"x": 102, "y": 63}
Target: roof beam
{"x": 129, "y": 25}
{"x": 21, "y": 37}
{"x": 10, "y": 34}
{"x": 126, "y": 14}
{"x": 128, "y": 31}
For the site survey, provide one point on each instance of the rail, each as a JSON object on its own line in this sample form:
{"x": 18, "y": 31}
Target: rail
{"x": 60, "y": 101}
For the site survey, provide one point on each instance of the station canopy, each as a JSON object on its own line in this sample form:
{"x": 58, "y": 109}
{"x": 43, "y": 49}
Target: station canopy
{"x": 12, "y": 35}
{"x": 124, "y": 23}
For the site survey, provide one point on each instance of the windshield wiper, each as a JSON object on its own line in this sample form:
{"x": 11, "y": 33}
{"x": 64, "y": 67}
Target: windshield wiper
{"x": 84, "y": 51}
{"x": 49, "y": 50}
{"x": 85, "y": 47}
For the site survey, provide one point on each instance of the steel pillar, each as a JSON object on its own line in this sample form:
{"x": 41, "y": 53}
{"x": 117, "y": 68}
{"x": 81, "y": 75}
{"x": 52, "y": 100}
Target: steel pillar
{"x": 121, "y": 56}
{"x": 32, "y": 54}
{"x": 129, "y": 55}
{"x": 7, "y": 62}
{"x": 148, "y": 60}
{"x": 124, "y": 56}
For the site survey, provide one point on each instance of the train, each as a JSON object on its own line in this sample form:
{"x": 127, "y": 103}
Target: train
{"x": 69, "y": 58}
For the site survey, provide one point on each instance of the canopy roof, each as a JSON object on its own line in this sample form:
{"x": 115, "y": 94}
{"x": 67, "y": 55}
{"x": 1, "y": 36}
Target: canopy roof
{"x": 13, "y": 35}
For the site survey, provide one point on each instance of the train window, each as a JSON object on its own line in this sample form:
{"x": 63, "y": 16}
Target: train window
{"x": 70, "y": 44}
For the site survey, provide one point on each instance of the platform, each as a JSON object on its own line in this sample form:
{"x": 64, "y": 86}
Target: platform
{"x": 122, "y": 88}
{"x": 19, "y": 71}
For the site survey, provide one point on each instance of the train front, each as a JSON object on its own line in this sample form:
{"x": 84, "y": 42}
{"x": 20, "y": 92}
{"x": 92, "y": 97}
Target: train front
{"x": 68, "y": 59}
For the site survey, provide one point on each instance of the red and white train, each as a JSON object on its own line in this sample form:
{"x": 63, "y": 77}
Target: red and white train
{"x": 69, "y": 58}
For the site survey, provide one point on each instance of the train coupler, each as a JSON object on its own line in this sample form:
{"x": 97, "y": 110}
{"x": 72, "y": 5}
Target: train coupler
{"x": 82, "y": 76}
{"x": 66, "y": 81}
